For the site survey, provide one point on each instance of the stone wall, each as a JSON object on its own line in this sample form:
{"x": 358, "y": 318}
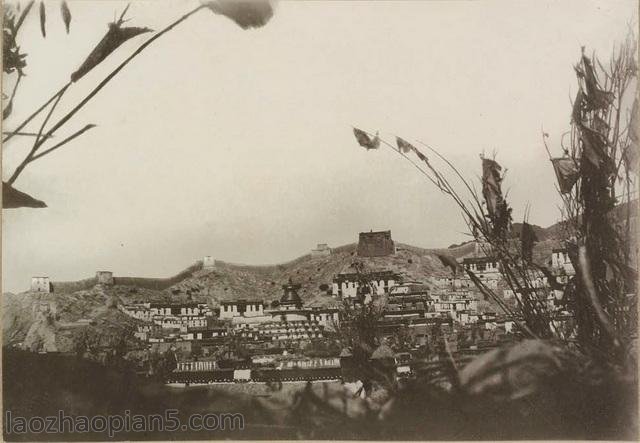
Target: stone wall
{"x": 158, "y": 283}
{"x": 73, "y": 286}
{"x": 106, "y": 277}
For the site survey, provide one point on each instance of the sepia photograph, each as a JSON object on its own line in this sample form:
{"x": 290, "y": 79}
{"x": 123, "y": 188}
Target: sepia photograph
{"x": 373, "y": 220}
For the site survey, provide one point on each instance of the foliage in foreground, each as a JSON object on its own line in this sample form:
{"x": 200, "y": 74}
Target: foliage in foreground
{"x": 589, "y": 389}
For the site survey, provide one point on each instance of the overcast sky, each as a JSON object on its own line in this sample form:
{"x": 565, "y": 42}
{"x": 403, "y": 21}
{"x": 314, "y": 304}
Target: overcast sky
{"x": 238, "y": 144}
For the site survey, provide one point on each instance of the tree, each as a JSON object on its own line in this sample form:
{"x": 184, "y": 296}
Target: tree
{"x": 196, "y": 350}
{"x": 358, "y": 327}
{"x": 403, "y": 340}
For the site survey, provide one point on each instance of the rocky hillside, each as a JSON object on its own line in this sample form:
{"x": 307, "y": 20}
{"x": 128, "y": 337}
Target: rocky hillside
{"x": 233, "y": 281}
{"x": 51, "y": 321}
{"x": 54, "y": 321}
{"x": 230, "y": 281}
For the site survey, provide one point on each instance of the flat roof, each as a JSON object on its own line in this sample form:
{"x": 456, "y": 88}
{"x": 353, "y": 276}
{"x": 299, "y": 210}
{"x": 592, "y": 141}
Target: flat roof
{"x": 241, "y": 301}
{"x": 478, "y": 259}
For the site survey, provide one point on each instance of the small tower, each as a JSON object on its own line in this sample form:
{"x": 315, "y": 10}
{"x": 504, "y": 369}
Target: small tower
{"x": 322, "y": 250}
{"x": 208, "y": 262}
{"x": 104, "y": 278}
{"x": 40, "y": 284}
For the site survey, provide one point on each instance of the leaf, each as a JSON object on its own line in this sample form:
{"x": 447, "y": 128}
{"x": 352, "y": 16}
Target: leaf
{"x": 66, "y": 14}
{"x": 245, "y": 13}
{"x": 24, "y": 14}
{"x": 115, "y": 36}
{"x": 43, "y": 19}
{"x": 6, "y": 112}
{"x": 365, "y": 140}
{"x": 12, "y": 198}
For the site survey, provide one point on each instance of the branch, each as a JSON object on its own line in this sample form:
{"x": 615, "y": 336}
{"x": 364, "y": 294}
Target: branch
{"x": 35, "y": 113}
{"x": 415, "y": 165}
{"x": 13, "y": 94}
{"x": 25, "y": 11}
{"x": 39, "y": 139}
{"x": 113, "y": 73}
{"x": 23, "y": 134}
{"x": 67, "y": 117}
{"x": 63, "y": 142}
{"x": 455, "y": 170}
{"x": 585, "y": 272}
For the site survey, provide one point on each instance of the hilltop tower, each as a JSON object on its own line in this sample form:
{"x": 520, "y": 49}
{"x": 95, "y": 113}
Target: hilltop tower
{"x": 40, "y": 284}
{"x": 376, "y": 244}
{"x": 208, "y": 262}
{"x": 322, "y": 250}
{"x": 104, "y": 278}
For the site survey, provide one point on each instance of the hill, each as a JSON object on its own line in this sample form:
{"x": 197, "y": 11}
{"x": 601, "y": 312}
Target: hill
{"x": 230, "y": 281}
{"x": 51, "y": 321}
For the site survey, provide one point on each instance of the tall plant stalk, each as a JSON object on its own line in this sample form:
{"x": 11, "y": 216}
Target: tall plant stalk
{"x": 45, "y": 135}
{"x": 602, "y": 160}
{"x": 246, "y": 14}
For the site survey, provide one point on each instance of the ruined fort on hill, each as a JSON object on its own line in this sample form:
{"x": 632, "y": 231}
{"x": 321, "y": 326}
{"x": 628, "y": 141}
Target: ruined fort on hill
{"x": 375, "y": 244}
